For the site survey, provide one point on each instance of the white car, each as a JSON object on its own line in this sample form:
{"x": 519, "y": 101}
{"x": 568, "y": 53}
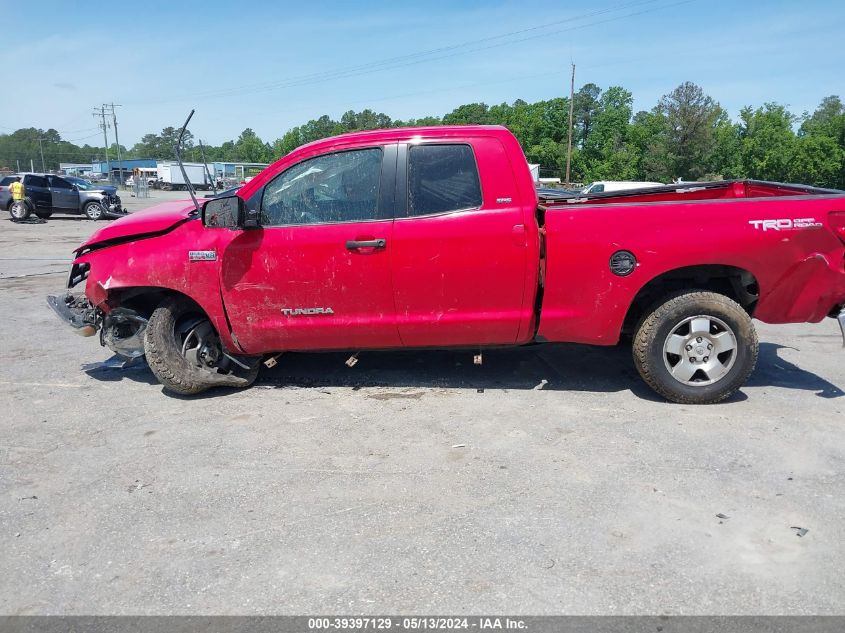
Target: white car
{"x": 602, "y": 186}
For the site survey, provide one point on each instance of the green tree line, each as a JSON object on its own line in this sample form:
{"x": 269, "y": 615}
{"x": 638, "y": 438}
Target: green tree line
{"x": 686, "y": 135}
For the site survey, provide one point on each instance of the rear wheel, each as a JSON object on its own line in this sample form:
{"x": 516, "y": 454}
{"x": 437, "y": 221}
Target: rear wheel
{"x": 185, "y": 353}
{"x": 19, "y": 210}
{"x": 696, "y": 347}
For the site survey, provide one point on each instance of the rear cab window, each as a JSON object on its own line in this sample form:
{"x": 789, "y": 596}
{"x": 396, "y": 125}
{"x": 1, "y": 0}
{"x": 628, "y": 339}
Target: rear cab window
{"x": 442, "y": 178}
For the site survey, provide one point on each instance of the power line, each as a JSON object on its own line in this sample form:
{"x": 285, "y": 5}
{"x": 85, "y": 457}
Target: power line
{"x": 83, "y": 138}
{"x": 426, "y": 56}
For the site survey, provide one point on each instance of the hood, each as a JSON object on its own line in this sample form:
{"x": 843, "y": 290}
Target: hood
{"x": 149, "y": 222}
{"x": 108, "y": 189}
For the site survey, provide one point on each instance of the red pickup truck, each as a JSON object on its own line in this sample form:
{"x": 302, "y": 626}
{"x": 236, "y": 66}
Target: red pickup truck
{"x": 435, "y": 237}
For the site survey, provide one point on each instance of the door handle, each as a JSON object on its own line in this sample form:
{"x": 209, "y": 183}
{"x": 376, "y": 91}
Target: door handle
{"x": 377, "y": 243}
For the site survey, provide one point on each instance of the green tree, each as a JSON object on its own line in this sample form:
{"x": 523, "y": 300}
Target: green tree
{"x": 250, "y": 149}
{"x": 161, "y": 146}
{"x": 767, "y": 141}
{"x": 649, "y": 133}
{"x": 585, "y": 106}
{"x": 691, "y": 119}
{"x": 816, "y": 160}
{"x": 471, "y": 113}
{"x": 828, "y": 121}
{"x": 608, "y": 153}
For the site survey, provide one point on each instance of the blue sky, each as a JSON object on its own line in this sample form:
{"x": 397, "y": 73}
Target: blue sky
{"x": 273, "y": 65}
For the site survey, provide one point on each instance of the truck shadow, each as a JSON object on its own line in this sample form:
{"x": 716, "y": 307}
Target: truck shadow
{"x": 773, "y": 371}
{"x": 549, "y": 367}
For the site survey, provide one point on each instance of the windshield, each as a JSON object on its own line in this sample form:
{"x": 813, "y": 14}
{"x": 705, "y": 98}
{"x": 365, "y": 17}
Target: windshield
{"x": 81, "y": 183}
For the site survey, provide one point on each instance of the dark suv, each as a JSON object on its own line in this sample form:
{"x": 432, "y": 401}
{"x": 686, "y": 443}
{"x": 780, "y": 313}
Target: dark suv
{"x": 47, "y": 194}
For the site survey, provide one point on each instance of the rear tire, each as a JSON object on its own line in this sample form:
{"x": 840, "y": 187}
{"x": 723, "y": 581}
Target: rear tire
{"x": 19, "y": 210}
{"x": 44, "y": 215}
{"x": 165, "y": 346}
{"x": 696, "y": 347}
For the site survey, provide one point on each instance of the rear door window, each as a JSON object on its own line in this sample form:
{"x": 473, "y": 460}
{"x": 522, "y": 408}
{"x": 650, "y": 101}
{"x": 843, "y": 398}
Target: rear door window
{"x": 34, "y": 181}
{"x": 442, "y": 178}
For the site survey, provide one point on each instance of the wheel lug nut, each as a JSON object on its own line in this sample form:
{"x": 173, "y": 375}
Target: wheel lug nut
{"x": 709, "y": 347}
{"x": 699, "y": 339}
{"x": 706, "y": 358}
{"x": 689, "y": 347}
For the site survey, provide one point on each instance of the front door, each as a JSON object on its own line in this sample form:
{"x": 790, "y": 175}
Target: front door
{"x": 64, "y": 196}
{"x": 316, "y": 275}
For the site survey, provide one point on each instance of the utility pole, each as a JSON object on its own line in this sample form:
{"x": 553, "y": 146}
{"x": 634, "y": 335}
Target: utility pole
{"x": 571, "y": 111}
{"x": 41, "y": 147}
{"x": 117, "y": 140}
{"x": 101, "y": 112}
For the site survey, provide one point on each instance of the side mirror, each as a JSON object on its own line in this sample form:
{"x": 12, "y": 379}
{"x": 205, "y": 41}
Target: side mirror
{"x": 223, "y": 213}
{"x": 76, "y": 187}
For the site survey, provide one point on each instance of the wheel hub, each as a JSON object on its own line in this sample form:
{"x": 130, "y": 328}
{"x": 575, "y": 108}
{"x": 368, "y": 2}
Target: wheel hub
{"x": 700, "y": 350}
{"x": 200, "y": 344}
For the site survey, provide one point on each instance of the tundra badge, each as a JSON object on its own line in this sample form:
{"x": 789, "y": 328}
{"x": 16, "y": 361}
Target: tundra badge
{"x": 306, "y": 311}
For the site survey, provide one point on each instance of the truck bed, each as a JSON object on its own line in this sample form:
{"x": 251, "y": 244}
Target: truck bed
{"x": 718, "y": 190}
{"x": 782, "y": 243}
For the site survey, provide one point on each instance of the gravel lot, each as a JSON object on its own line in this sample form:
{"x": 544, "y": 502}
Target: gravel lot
{"x": 414, "y": 482}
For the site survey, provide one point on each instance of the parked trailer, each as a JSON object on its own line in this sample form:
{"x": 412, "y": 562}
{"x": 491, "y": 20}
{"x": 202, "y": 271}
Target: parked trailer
{"x": 170, "y": 176}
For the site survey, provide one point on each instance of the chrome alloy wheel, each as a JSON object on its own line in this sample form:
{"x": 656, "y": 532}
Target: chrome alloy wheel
{"x": 700, "y": 350}
{"x": 19, "y": 210}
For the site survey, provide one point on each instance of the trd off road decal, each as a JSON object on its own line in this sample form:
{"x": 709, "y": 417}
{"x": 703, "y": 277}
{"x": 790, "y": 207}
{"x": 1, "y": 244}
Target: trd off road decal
{"x": 785, "y": 224}
{"x": 202, "y": 256}
{"x": 306, "y": 311}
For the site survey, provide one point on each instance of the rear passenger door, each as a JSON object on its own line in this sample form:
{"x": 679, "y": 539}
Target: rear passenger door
{"x": 64, "y": 196}
{"x": 38, "y": 190}
{"x": 460, "y": 253}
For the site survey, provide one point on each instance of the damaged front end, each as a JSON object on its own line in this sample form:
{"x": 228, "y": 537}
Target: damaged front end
{"x": 121, "y": 329}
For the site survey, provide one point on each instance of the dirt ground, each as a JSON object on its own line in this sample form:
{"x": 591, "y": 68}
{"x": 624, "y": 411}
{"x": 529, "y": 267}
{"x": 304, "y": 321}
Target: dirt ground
{"x": 548, "y": 480}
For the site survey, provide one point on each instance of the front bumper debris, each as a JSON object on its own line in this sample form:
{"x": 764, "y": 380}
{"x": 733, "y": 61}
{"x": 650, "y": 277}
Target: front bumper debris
{"x": 121, "y": 330}
{"x": 76, "y": 312}
{"x": 115, "y": 210}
